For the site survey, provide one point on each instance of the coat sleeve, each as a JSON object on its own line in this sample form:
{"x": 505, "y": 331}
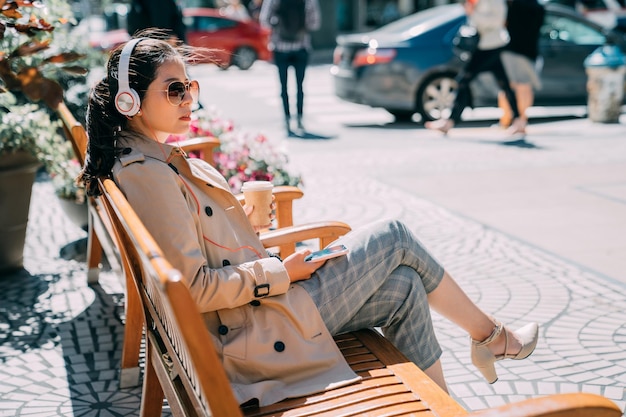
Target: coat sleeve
{"x": 162, "y": 202}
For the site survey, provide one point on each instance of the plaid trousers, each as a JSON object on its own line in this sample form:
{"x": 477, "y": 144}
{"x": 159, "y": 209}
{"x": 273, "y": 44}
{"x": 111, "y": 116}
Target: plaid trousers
{"x": 383, "y": 282}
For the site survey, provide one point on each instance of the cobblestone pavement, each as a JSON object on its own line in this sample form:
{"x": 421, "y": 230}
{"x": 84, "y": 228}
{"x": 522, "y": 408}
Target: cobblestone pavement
{"x": 582, "y": 346}
{"x": 60, "y": 338}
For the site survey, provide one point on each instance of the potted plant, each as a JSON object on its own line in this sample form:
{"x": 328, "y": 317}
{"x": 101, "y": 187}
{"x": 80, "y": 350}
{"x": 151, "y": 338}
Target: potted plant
{"x": 28, "y": 93}
{"x": 27, "y": 137}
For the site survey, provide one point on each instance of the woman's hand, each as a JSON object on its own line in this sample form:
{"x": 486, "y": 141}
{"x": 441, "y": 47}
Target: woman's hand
{"x": 249, "y": 209}
{"x": 297, "y": 268}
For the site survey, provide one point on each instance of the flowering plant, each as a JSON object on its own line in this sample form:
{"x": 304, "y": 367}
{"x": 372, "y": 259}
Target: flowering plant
{"x": 242, "y": 156}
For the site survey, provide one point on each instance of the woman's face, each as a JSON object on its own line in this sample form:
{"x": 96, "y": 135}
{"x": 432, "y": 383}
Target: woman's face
{"x": 158, "y": 117}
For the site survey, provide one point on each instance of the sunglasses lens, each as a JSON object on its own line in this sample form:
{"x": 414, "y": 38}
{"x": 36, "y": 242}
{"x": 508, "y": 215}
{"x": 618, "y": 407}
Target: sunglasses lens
{"x": 176, "y": 91}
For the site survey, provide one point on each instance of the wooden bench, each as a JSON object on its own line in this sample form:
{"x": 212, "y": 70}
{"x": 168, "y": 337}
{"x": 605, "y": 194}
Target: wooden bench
{"x": 183, "y": 366}
{"x": 100, "y": 237}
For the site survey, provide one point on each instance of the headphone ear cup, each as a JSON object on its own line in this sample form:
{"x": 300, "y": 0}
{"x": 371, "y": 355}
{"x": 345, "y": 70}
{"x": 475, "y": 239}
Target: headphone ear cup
{"x": 127, "y": 102}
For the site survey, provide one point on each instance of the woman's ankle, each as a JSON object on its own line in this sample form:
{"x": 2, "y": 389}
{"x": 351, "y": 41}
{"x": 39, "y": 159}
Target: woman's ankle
{"x": 506, "y": 340}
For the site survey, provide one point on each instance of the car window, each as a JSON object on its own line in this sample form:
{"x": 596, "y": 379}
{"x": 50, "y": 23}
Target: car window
{"x": 208, "y": 23}
{"x": 561, "y": 28}
{"x": 432, "y": 16}
{"x": 594, "y": 4}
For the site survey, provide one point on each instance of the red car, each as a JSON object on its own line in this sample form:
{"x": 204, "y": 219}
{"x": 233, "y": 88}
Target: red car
{"x": 234, "y": 42}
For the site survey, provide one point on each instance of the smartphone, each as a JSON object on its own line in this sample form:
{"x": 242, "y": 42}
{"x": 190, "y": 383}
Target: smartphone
{"x": 327, "y": 253}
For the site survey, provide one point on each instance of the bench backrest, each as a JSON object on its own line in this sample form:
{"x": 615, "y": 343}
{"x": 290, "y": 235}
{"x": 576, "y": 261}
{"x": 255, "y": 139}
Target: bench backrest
{"x": 169, "y": 311}
{"x": 74, "y": 132}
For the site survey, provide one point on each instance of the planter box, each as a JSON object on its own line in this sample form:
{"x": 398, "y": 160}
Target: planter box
{"x": 17, "y": 175}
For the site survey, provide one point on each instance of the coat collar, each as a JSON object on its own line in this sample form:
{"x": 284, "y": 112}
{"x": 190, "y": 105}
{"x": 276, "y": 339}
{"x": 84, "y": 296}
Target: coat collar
{"x": 163, "y": 152}
{"x": 141, "y": 146}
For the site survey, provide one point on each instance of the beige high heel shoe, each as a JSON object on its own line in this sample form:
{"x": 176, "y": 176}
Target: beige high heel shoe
{"x": 485, "y": 360}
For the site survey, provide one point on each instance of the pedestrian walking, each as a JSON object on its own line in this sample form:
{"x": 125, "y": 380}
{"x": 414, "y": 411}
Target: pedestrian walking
{"x": 272, "y": 319}
{"x": 524, "y": 20}
{"x": 291, "y": 22}
{"x": 488, "y": 17}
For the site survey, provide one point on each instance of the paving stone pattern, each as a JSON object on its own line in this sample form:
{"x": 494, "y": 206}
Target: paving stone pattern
{"x": 582, "y": 315}
{"x": 60, "y": 338}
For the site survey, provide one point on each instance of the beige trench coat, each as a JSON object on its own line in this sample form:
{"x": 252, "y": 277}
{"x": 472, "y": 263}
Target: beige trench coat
{"x": 267, "y": 331}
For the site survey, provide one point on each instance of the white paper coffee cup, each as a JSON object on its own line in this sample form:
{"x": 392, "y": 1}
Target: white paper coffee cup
{"x": 259, "y": 195}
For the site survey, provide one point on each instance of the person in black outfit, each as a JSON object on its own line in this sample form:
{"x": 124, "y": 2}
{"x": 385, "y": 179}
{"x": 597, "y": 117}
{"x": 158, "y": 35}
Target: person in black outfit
{"x": 162, "y": 14}
{"x": 524, "y": 21}
{"x": 292, "y": 52}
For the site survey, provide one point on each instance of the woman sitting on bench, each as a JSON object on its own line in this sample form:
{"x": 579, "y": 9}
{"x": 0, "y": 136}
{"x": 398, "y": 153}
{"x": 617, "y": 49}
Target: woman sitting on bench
{"x": 272, "y": 320}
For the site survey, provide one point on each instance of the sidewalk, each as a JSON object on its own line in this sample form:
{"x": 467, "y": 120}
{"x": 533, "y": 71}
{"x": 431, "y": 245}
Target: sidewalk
{"x": 60, "y": 339}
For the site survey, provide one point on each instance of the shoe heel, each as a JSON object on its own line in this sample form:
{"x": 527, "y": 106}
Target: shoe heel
{"x": 489, "y": 372}
{"x": 482, "y": 358}
{"x": 485, "y": 361}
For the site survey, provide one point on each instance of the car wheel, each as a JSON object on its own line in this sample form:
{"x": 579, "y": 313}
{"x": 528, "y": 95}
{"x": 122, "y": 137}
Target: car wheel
{"x": 436, "y": 95}
{"x": 401, "y": 116}
{"x": 244, "y": 57}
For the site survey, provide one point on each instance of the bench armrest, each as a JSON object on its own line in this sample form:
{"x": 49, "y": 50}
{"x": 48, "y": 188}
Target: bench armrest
{"x": 558, "y": 405}
{"x": 286, "y": 238}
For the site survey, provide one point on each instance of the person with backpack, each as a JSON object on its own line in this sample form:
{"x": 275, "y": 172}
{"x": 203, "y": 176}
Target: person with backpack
{"x": 291, "y": 22}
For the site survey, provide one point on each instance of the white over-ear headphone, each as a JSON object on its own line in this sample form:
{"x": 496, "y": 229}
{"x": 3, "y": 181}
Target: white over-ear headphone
{"x": 127, "y": 100}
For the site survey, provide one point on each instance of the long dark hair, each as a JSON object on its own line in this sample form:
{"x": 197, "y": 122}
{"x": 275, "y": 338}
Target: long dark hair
{"x": 103, "y": 120}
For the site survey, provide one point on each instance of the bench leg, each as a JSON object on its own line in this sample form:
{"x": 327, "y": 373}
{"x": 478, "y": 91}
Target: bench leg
{"x": 94, "y": 254}
{"x": 152, "y": 395}
{"x": 130, "y": 375}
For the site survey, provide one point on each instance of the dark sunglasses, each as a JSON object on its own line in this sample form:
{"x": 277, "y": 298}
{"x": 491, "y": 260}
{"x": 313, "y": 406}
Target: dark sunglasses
{"x": 176, "y": 91}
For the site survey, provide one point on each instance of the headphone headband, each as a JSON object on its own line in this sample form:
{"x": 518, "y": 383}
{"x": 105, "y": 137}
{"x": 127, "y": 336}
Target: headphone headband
{"x": 127, "y": 100}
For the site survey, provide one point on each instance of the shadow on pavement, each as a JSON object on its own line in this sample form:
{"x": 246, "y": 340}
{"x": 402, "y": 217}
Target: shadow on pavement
{"x": 91, "y": 344}
{"x": 519, "y": 143}
{"x": 390, "y": 125}
{"x": 26, "y": 320}
{"x": 310, "y": 136}
{"x": 488, "y": 122}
